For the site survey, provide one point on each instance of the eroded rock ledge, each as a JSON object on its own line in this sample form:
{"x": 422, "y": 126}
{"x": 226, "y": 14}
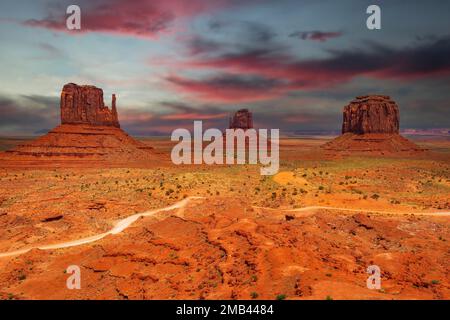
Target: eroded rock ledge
{"x": 371, "y": 114}
{"x": 84, "y": 105}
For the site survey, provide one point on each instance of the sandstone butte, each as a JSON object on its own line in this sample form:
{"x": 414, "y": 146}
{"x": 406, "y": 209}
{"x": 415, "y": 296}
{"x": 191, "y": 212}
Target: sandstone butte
{"x": 89, "y": 133}
{"x": 242, "y": 119}
{"x": 85, "y": 105}
{"x": 371, "y": 125}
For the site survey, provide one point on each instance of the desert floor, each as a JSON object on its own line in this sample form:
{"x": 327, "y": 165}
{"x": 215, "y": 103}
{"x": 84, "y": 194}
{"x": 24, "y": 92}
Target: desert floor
{"x": 308, "y": 232}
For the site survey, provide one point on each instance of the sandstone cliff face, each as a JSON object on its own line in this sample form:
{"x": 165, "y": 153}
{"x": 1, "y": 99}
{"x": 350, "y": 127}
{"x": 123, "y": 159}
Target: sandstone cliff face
{"x": 89, "y": 135}
{"x": 371, "y": 126}
{"x": 371, "y": 114}
{"x": 85, "y": 105}
{"x": 242, "y": 119}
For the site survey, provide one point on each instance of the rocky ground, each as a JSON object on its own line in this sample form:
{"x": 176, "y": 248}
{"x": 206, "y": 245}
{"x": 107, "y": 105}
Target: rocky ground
{"x": 241, "y": 240}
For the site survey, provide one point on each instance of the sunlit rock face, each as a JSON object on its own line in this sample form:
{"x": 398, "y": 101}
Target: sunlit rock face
{"x": 89, "y": 135}
{"x": 84, "y": 105}
{"x": 371, "y": 114}
{"x": 371, "y": 126}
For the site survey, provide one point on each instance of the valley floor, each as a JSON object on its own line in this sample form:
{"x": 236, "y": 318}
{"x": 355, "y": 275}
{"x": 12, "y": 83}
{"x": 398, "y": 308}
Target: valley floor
{"x": 241, "y": 236}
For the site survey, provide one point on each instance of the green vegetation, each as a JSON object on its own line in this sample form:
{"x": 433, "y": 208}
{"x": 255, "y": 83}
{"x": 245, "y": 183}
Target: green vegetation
{"x": 281, "y": 297}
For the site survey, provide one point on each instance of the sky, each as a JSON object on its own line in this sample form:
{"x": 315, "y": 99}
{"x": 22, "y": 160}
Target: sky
{"x": 294, "y": 63}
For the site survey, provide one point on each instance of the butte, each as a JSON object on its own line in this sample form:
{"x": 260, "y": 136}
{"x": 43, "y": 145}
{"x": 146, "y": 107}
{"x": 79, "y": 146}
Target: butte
{"x": 89, "y": 134}
{"x": 371, "y": 126}
{"x": 242, "y": 119}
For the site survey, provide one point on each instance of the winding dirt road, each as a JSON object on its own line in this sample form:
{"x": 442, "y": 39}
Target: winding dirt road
{"x": 118, "y": 228}
{"x": 123, "y": 224}
{"x": 437, "y": 213}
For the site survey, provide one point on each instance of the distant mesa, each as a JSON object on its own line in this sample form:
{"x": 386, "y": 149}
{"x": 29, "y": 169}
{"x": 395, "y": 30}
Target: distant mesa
{"x": 89, "y": 133}
{"x": 371, "y": 125}
{"x": 242, "y": 119}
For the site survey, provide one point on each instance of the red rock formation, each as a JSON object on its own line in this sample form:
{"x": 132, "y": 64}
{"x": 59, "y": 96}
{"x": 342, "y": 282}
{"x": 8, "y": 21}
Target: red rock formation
{"x": 89, "y": 133}
{"x": 242, "y": 119}
{"x": 371, "y": 114}
{"x": 371, "y": 125}
{"x": 84, "y": 104}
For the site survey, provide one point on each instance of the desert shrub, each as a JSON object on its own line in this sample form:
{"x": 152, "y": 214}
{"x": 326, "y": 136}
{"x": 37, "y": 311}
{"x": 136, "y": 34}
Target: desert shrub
{"x": 253, "y": 295}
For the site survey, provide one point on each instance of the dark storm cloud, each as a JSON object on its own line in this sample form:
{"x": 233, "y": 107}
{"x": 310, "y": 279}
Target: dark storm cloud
{"x": 46, "y": 101}
{"x": 381, "y": 61}
{"x": 259, "y": 32}
{"x": 424, "y": 112}
{"x": 28, "y": 114}
{"x": 255, "y": 73}
{"x": 432, "y": 58}
{"x": 376, "y": 61}
{"x": 251, "y": 32}
{"x": 321, "y": 36}
{"x": 200, "y": 45}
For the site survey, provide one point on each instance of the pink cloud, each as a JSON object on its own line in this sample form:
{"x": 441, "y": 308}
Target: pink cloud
{"x": 409, "y": 63}
{"x": 228, "y": 89}
{"x": 308, "y": 74}
{"x": 138, "y": 18}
